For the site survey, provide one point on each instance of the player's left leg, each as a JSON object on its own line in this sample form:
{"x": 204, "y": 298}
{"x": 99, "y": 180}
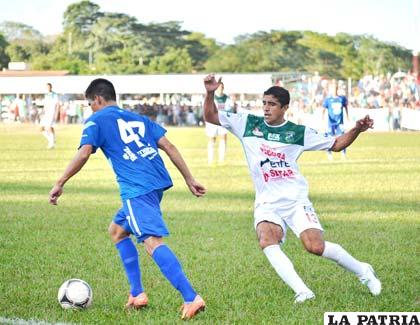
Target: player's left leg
{"x": 146, "y": 221}
{"x": 50, "y": 135}
{"x": 306, "y": 225}
{"x": 171, "y": 268}
{"x": 222, "y": 147}
{"x": 314, "y": 243}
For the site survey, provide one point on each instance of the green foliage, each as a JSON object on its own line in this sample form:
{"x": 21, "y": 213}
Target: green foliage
{"x": 103, "y": 42}
{"x": 4, "y": 58}
{"x": 14, "y": 31}
{"x": 61, "y": 61}
{"x": 80, "y": 17}
{"x": 379, "y": 58}
{"x": 24, "y": 42}
{"x": 173, "y": 61}
{"x": 200, "y": 49}
{"x": 369, "y": 204}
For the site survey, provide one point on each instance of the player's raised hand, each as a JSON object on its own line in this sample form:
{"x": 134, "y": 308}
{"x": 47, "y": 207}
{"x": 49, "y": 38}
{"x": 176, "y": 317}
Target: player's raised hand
{"x": 55, "y": 193}
{"x": 364, "y": 124}
{"x": 210, "y": 82}
{"x": 196, "y": 188}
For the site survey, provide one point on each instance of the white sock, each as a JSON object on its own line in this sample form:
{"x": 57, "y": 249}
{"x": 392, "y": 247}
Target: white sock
{"x": 339, "y": 255}
{"x": 210, "y": 152}
{"x": 50, "y": 137}
{"x": 222, "y": 150}
{"x": 45, "y": 134}
{"x": 285, "y": 268}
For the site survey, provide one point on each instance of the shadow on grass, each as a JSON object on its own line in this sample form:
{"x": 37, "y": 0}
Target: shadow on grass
{"x": 326, "y": 204}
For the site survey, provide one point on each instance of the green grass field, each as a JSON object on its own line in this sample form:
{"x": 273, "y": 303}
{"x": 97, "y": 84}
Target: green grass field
{"x": 370, "y": 204}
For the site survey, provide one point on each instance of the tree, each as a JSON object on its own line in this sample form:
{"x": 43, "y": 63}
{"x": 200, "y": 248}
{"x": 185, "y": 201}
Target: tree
{"x": 4, "y": 58}
{"x": 24, "y": 41}
{"x": 173, "y": 61}
{"x": 379, "y": 58}
{"x": 200, "y": 49}
{"x": 79, "y": 17}
{"x": 18, "y": 32}
{"x": 18, "y": 53}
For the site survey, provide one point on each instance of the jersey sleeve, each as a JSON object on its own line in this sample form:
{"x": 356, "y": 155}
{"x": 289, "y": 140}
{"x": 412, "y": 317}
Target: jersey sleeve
{"x": 91, "y": 135}
{"x": 315, "y": 141}
{"x": 234, "y": 122}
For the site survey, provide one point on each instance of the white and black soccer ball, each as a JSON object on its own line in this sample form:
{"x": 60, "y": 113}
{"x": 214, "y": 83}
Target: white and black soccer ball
{"x": 75, "y": 294}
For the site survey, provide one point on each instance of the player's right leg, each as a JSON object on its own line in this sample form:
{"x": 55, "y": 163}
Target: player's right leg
{"x": 171, "y": 268}
{"x": 330, "y": 132}
{"x": 119, "y": 231}
{"x": 269, "y": 236}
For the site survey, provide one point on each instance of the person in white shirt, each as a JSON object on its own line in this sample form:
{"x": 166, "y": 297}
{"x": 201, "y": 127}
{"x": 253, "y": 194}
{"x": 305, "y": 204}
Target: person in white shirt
{"x": 49, "y": 116}
{"x": 222, "y": 102}
{"x": 272, "y": 146}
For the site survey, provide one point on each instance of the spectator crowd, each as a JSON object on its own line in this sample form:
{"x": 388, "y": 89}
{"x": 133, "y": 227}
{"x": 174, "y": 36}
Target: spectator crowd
{"x": 390, "y": 92}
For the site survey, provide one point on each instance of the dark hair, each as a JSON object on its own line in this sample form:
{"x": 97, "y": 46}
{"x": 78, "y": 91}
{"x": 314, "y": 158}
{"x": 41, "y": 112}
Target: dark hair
{"x": 101, "y": 87}
{"x": 49, "y": 84}
{"x": 280, "y": 93}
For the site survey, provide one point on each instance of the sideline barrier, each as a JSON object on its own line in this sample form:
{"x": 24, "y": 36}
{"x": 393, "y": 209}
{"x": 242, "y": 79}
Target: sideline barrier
{"x": 410, "y": 119}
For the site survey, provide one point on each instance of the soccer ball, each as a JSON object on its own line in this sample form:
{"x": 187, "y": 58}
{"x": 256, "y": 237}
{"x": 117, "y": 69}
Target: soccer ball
{"x": 75, "y": 294}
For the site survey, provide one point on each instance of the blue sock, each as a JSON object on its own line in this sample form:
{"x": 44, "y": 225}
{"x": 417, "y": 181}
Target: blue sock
{"x": 172, "y": 270}
{"x": 130, "y": 259}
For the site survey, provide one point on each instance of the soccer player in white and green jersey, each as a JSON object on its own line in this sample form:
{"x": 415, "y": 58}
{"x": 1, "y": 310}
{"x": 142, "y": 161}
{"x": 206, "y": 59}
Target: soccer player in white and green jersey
{"x": 272, "y": 146}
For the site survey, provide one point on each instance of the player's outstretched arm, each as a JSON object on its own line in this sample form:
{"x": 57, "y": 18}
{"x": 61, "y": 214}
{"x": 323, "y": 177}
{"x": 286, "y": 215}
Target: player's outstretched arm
{"x": 79, "y": 160}
{"x": 346, "y": 139}
{"x": 196, "y": 188}
{"x": 211, "y": 114}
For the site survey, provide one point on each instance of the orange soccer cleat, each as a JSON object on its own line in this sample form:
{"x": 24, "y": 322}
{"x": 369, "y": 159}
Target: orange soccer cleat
{"x": 137, "y": 302}
{"x": 189, "y": 310}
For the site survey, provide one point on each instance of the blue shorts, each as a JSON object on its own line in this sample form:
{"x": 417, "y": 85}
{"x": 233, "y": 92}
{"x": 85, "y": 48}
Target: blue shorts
{"x": 335, "y": 129}
{"x": 141, "y": 216}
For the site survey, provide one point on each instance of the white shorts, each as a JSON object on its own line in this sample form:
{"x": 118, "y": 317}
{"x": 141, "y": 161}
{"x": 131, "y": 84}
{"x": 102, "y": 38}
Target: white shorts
{"x": 298, "y": 217}
{"x": 213, "y": 130}
{"x": 47, "y": 121}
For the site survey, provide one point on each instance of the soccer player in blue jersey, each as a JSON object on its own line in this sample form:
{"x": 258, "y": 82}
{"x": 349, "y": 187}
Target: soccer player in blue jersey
{"x": 130, "y": 143}
{"x": 335, "y": 105}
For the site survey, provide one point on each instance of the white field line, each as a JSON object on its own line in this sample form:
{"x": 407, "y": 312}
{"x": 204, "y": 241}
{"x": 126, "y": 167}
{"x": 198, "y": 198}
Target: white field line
{"x": 19, "y": 321}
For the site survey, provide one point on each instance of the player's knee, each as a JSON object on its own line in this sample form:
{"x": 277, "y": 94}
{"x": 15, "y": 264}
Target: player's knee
{"x": 117, "y": 233}
{"x": 316, "y": 248}
{"x": 265, "y": 241}
{"x": 151, "y": 243}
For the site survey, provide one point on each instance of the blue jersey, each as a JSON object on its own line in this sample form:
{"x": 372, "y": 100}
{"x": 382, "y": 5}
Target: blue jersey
{"x": 335, "y": 106}
{"x": 129, "y": 142}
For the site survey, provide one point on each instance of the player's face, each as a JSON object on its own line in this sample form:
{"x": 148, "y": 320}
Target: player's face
{"x": 333, "y": 90}
{"x": 273, "y": 112}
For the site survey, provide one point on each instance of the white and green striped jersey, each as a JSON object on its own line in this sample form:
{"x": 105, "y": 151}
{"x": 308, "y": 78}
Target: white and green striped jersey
{"x": 272, "y": 153}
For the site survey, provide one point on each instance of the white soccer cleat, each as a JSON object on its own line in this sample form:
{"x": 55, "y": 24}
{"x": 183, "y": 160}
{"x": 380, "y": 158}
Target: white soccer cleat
{"x": 303, "y": 296}
{"x": 371, "y": 281}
